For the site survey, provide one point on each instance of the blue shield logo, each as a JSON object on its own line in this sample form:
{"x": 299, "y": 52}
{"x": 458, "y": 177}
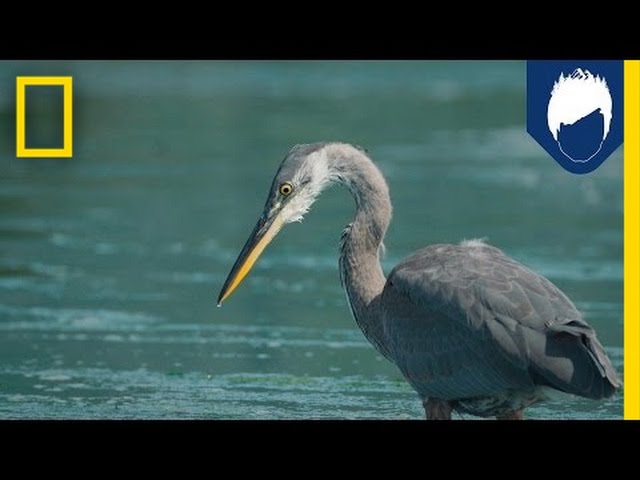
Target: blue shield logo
{"x": 575, "y": 110}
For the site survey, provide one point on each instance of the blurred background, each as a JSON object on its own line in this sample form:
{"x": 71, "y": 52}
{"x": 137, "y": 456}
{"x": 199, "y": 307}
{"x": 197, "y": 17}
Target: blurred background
{"x": 111, "y": 261}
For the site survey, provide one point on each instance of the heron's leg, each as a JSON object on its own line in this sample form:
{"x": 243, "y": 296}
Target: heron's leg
{"x": 512, "y": 415}
{"x": 437, "y": 409}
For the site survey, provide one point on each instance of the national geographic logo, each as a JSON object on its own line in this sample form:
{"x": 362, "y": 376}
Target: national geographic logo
{"x": 67, "y": 134}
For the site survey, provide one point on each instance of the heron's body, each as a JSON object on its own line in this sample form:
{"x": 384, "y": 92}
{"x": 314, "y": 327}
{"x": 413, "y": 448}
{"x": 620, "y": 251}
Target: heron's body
{"x": 470, "y": 328}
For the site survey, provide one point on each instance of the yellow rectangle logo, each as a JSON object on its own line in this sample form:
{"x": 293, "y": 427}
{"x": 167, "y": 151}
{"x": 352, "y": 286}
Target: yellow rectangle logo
{"x": 67, "y": 145}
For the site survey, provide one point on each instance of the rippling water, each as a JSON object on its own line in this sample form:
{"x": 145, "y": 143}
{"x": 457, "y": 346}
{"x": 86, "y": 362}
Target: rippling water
{"x": 110, "y": 262}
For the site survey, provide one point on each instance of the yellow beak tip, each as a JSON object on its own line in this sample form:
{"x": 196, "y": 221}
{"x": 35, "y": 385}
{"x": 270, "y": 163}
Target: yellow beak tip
{"x": 238, "y": 274}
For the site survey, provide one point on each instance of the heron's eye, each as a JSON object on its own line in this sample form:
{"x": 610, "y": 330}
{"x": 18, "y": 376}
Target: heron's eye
{"x": 286, "y": 189}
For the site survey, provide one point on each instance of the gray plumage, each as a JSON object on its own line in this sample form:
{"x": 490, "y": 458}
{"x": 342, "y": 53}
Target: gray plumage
{"x": 470, "y": 328}
{"x": 466, "y": 322}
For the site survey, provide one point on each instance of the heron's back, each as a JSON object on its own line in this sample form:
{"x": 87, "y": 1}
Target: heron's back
{"x": 466, "y": 321}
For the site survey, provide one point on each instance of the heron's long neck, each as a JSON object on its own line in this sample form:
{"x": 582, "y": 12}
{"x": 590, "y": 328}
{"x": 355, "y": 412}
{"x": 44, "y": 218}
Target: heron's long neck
{"x": 361, "y": 245}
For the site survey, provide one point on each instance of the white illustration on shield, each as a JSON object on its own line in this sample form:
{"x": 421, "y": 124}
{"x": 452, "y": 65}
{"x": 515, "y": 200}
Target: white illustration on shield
{"x": 579, "y": 114}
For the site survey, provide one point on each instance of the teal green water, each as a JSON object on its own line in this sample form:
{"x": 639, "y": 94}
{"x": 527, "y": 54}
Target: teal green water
{"x": 111, "y": 262}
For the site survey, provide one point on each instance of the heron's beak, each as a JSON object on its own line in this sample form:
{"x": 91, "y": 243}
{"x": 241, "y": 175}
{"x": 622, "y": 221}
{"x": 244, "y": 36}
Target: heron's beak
{"x": 264, "y": 231}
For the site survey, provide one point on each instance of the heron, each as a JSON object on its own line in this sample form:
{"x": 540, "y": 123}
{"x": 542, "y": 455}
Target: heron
{"x": 472, "y": 330}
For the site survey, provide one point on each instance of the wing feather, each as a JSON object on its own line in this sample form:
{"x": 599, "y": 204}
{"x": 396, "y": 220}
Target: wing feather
{"x": 466, "y": 320}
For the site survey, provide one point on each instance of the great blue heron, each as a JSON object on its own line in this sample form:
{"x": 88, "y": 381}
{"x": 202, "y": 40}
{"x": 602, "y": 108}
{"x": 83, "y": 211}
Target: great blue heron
{"x": 471, "y": 329}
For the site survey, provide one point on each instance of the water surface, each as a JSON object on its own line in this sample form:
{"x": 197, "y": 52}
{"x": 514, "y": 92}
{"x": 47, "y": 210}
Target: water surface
{"x": 111, "y": 262}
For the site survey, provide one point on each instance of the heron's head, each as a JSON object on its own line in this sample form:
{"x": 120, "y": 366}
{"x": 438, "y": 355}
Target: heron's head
{"x": 303, "y": 174}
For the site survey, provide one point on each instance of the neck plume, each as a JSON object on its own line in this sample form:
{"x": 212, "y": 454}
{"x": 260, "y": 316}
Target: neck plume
{"x": 361, "y": 245}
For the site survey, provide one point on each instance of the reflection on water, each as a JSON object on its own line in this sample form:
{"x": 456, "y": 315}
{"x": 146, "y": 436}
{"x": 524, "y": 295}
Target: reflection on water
{"x": 110, "y": 262}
